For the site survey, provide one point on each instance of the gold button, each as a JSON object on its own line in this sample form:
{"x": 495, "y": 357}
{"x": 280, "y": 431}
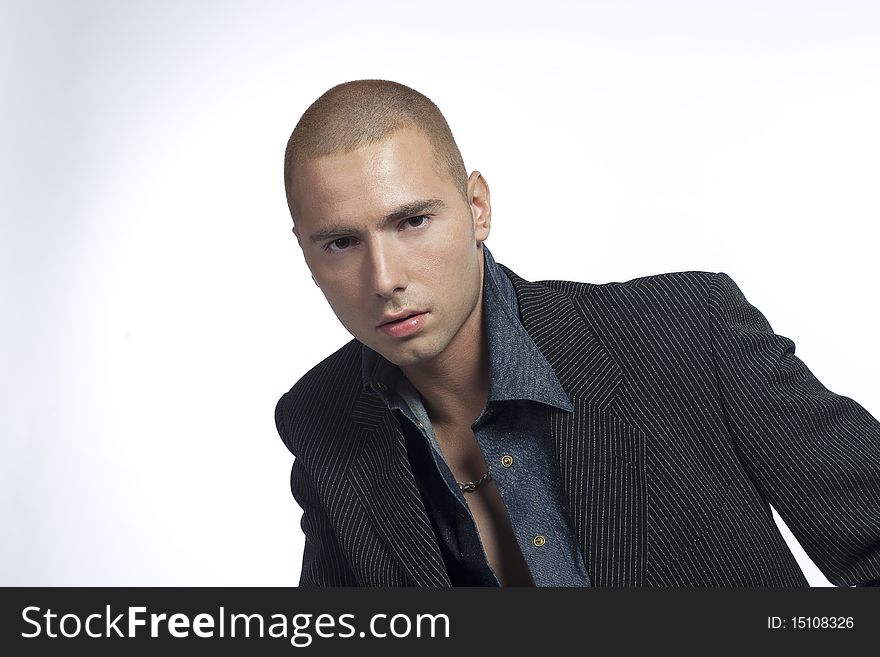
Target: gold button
{"x": 539, "y": 540}
{"x": 420, "y": 426}
{"x": 507, "y": 460}
{"x": 381, "y": 386}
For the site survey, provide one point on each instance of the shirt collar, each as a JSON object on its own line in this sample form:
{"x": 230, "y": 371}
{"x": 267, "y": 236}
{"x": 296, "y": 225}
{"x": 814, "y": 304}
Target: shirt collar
{"x": 517, "y": 368}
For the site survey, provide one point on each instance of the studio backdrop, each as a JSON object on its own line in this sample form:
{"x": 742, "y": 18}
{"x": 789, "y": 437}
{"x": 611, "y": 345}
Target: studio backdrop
{"x": 155, "y": 303}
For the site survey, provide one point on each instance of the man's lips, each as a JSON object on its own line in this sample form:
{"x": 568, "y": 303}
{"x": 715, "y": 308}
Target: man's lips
{"x": 403, "y": 324}
{"x": 396, "y": 317}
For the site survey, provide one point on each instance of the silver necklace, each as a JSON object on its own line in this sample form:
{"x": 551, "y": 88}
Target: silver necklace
{"x": 469, "y": 486}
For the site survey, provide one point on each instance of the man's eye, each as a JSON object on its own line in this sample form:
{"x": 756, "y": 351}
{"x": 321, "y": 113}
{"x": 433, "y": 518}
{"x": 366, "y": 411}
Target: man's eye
{"x": 340, "y": 244}
{"x": 416, "y": 222}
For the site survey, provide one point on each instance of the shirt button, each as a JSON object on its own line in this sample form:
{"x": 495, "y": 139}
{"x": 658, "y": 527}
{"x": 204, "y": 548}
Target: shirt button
{"x": 381, "y": 386}
{"x": 539, "y": 540}
{"x": 507, "y": 460}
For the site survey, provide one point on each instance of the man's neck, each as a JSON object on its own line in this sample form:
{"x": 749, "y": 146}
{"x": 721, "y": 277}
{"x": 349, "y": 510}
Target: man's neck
{"x": 455, "y": 385}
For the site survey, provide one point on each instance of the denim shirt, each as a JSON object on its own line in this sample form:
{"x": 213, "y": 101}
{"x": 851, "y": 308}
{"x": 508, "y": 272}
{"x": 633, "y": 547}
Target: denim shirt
{"x": 513, "y": 434}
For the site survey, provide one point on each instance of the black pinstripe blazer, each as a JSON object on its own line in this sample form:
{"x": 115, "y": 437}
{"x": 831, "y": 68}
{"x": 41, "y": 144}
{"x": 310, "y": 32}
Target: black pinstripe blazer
{"x": 690, "y": 417}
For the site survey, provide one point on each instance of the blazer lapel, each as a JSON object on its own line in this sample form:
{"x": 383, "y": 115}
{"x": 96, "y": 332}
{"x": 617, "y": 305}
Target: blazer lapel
{"x": 581, "y": 363}
{"x": 381, "y": 476}
{"x": 600, "y": 455}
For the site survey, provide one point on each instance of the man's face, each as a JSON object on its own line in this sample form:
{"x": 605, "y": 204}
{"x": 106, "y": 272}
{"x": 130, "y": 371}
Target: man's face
{"x": 387, "y": 236}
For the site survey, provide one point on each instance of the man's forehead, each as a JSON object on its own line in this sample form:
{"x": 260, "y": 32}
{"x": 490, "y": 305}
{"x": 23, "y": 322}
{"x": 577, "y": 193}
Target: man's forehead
{"x": 367, "y": 182}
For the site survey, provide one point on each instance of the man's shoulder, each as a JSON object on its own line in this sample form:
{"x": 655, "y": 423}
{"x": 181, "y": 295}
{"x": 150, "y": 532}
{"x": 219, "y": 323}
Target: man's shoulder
{"x": 664, "y": 318}
{"x": 654, "y": 296}
{"x": 672, "y": 283}
{"x": 677, "y": 292}
{"x": 324, "y": 394}
{"x": 643, "y": 307}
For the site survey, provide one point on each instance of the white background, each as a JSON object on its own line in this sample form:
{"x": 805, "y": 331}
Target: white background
{"x": 155, "y": 304}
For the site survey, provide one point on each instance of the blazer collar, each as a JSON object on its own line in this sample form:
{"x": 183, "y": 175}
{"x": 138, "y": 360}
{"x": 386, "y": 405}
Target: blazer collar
{"x": 582, "y": 364}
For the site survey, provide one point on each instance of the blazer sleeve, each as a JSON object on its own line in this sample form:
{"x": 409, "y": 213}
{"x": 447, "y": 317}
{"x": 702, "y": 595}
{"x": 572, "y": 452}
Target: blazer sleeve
{"x": 813, "y": 454}
{"x": 324, "y": 563}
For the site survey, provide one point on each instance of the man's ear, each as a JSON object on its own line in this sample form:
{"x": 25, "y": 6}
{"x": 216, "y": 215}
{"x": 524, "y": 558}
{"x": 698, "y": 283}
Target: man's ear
{"x": 481, "y": 208}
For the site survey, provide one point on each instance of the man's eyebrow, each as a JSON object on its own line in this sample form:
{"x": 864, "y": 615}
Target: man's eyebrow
{"x": 405, "y": 211}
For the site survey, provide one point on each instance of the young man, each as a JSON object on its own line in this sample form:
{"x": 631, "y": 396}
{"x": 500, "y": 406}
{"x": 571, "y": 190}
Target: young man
{"x": 481, "y": 429}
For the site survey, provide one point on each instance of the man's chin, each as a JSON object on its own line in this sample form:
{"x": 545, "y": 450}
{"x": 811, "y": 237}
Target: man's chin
{"x": 408, "y": 355}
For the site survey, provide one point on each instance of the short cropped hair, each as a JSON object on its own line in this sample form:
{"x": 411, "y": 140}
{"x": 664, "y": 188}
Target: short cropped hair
{"x": 360, "y": 112}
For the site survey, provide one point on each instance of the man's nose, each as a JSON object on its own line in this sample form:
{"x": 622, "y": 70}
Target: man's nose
{"x": 386, "y": 270}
